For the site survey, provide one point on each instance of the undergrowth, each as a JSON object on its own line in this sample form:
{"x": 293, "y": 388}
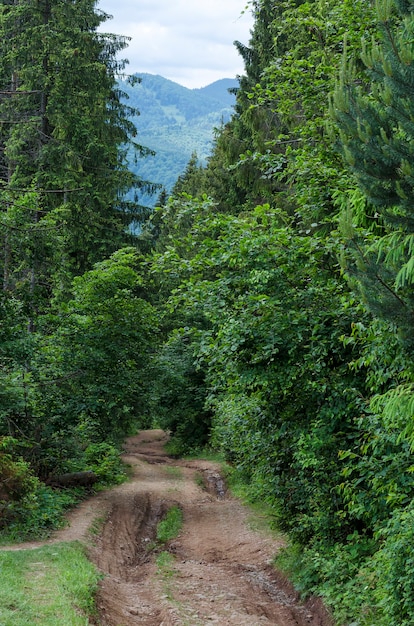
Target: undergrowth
{"x": 364, "y": 581}
{"x": 38, "y": 513}
{"x": 36, "y": 509}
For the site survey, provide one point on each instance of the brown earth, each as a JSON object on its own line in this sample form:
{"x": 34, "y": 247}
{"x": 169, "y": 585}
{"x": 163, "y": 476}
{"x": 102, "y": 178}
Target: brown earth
{"x": 219, "y": 571}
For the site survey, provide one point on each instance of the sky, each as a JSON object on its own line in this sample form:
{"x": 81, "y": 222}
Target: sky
{"x": 187, "y": 41}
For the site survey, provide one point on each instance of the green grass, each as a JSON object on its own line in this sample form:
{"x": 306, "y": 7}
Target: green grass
{"x": 206, "y": 454}
{"x": 173, "y": 471}
{"x": 262, "y": 515}
{"x": 199, "y": 480}
{"x": 171, "y": 525}
{"x": 97, "y": 525}
{"x": 165, "y": 562}
{"x": 50, "y": 586}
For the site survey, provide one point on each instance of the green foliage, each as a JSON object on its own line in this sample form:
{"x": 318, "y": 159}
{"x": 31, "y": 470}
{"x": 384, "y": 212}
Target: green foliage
{"x": 256, "y": 338}
{"x": 178, "y": 395}
{"x": 375, "y": 136}
{"x": 62, "y": 148}
{"x": 309, "y": 392}
{"x": 101, "y": 351}
{"x": 40, "y": 512}
{"x": 27, "y": 507}
{"x": 63, "y": 179}
{"x": 191, "y": 180}
{"x": 366, "y": 582}
{"x": 273, "y": 316}
{"x": 86, "y": 380}
{"x": 105, "y": 461}
{"x": 341, "y": 574}
{"x": 17, "y": 485}
{"x": 394, "y": 564}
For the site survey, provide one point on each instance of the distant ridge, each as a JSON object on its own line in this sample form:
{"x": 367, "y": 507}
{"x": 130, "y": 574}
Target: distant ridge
{"x": 220, "y": 90}
{"x": 176, "y": 121}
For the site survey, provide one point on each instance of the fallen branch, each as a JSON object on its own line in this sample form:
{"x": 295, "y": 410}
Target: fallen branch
{"x": 73, "y": 479}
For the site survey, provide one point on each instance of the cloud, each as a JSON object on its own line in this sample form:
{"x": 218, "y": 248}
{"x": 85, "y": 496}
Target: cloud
{"x": 190, "y": 43}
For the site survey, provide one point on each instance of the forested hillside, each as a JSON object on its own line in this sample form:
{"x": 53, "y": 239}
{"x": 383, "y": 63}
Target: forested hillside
{"x": 175, "y": 122}
{"x": 265, "y": 309}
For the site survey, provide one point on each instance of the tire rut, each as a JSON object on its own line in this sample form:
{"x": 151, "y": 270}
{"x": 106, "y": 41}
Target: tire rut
{"x": 127, "y": 534}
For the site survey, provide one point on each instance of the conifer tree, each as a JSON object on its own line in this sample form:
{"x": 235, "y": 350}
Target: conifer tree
{"x": 233, "y": 181}
{"x": 376, "y": 137}
{"x": 190, "y": 181}
{"x": 62, "y": 141}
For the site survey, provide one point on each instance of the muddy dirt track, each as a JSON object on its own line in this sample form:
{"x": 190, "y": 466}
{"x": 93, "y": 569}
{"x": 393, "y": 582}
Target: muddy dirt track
{"x": 219, "y": 571}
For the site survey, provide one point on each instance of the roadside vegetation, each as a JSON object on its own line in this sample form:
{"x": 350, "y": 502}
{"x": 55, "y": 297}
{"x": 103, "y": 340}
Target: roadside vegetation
{"x": 51, "y": 585}
{"x": 167, "y": 529}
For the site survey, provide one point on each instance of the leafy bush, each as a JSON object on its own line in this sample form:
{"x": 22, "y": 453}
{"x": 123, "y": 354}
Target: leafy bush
{"x": 341, "y": 573}
{"x": 17, "y": 486}
{"x": 104, "y": 459}
{"x": 39, "y": 512}
{"x": 28, "y": 508}
{"x": 179, "y": 394}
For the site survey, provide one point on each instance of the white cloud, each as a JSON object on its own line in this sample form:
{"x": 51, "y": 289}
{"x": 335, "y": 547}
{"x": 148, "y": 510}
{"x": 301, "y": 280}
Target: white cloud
{"x": 187, "y": 41}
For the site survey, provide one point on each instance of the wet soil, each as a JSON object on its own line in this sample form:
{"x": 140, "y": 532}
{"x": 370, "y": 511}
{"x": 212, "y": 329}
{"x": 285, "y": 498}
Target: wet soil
{"x": 217, "y": 571}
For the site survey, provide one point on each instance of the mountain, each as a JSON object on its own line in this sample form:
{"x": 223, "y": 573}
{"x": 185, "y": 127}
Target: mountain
{"x": 219, "y": 90}
{"x": 175, "y": 121}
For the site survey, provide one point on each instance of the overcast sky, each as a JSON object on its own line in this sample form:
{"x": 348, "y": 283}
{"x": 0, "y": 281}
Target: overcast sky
{"x": 187, "y": 41}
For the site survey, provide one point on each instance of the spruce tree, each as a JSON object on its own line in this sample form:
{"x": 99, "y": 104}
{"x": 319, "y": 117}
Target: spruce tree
{"x": 63, "y": 161}
{"x": 377, "y": 140}
{"x": 231, "y": 179}
{"x": 190, "y": 181}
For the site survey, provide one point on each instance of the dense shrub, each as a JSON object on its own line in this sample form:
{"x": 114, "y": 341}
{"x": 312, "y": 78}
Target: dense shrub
{"x": 17, "y": 487}
{"x": 104, "y": 459}
{"x": 28, "y": 508}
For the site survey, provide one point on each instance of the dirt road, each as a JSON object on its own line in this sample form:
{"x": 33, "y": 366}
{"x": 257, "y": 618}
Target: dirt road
{"x": 217, "y": 571}
{"x": 220, "y": 572}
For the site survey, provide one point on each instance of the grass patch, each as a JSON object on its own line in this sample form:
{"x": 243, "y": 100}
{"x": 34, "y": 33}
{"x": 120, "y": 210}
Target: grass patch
{"x": 48, "y": 586}
{"x": 173, "y": 471}
{"x": 199, "y": 480}
{"x": 262, "y": 516}
{"x": 171, "y": 525}
{"x": 97, "y": 525}
{"x": 168, "y": 529}
{"x": 206, "y": 454}
{"x": 164, "y": 562}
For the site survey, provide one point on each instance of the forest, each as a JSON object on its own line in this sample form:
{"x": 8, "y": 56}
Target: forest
{"x": 265, "y": 309}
